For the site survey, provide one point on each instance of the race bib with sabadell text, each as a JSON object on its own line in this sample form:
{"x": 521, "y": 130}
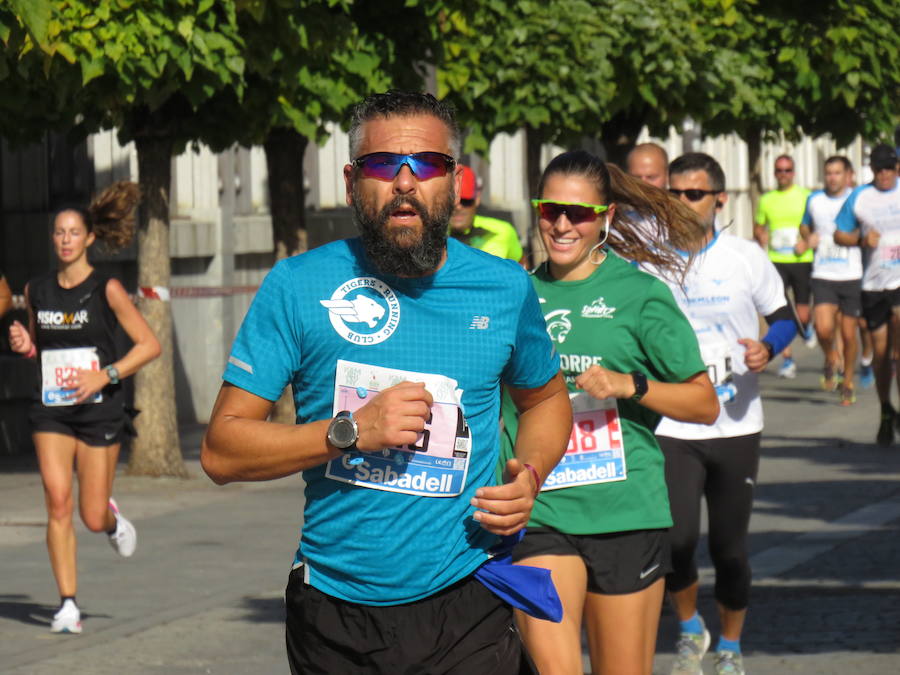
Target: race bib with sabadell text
{"x": 436, "y": 465}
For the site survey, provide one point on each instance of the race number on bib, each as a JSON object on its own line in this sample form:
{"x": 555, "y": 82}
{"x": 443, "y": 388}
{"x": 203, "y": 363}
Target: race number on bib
{"x": 58, "y": 366}
{"x": 717, "y": 357}
{"x": 889, "y": 250}
{"x": 435, "y": 465}
{"x": 783, "y": 240}
{"x": 832, "y": 254}
{"x": 596, "y": 453}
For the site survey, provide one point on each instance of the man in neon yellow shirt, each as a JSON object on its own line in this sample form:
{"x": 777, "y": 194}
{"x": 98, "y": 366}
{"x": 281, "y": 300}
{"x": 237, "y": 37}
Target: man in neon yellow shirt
{"x": 777, "y": 230}
{"x": 491, "y": 235}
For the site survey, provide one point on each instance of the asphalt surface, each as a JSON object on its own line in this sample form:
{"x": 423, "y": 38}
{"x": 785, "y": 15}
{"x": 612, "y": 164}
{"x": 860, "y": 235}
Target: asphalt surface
{"x": 203, "y": 592}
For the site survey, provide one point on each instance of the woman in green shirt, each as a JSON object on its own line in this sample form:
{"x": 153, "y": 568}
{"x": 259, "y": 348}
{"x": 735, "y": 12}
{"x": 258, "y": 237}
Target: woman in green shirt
{"x": 629, "y": 356}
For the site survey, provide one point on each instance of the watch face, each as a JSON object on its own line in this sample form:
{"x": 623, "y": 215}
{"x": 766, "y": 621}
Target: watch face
{"x": 343, "y": 432}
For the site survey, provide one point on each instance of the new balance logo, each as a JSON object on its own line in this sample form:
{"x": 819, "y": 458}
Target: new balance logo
{"x": 480, "y": 323}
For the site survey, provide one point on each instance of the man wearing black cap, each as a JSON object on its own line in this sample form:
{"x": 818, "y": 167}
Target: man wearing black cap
{"x": 491, "y": 235}
{"x": 870, "y": 218}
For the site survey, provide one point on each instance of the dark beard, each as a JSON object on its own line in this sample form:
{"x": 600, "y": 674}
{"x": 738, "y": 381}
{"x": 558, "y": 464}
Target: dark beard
{"x": 401, "y": 252}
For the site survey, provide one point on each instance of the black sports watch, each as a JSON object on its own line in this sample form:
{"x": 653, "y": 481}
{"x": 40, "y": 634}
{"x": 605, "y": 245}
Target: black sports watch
{"x": 640, "y": 385}
{"x": 343, "y": 431}
{"x": 112, "y": 373}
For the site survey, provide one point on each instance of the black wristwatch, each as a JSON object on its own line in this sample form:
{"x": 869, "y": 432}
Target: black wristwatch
{"x": 343, "y": 431}
{"x": 112, "y": 373}
{"x": 640, "y": 385}
{"x": 769, "y": 348}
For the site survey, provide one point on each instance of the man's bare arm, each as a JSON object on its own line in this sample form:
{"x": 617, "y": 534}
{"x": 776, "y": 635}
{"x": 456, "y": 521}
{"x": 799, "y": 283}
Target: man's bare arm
{"x": 240, "y": 444}
{"x": 545, "y": 423}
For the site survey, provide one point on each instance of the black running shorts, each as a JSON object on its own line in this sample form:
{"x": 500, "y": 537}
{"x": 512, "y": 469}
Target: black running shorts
{"x": 796, "y": 276}
{"x": 617, "y": 563}
{"x": 877, "y": 306}
{"x": 71, "y": 421}
{"x": 847, "y": 295}
{"x": 461, "y": 630}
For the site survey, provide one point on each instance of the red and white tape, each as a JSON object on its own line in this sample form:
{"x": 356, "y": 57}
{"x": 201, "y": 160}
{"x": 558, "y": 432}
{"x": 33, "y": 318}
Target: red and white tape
{"x": 154, "y": 293}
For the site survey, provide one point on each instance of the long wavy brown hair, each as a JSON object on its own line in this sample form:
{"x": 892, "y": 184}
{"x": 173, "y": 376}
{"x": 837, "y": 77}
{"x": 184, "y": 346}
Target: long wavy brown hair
{"x": 649, "y": 225}
{"x": 111, "y": 214}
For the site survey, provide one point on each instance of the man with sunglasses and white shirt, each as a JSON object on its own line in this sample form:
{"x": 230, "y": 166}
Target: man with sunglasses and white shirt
{"x": 491, "y": 235}
{"x": 729, "y": 283}
{"x": 395, "y": 344}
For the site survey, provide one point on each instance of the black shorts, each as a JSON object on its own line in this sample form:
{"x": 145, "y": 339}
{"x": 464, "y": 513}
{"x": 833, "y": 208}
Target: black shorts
{"x": 877, "y": 306}
{"x": 847, "y": 295}
{"x": 796, "y": 276}
{"x": 463, "y": 629}
{"x": 82, "y": 423}
{"x": 617, "y": 563}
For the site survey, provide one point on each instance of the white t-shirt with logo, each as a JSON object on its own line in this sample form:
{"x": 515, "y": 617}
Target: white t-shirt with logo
{"x": 868, "y": 208}
{"x": 832, "y": 262}
{"x": 727, "y": 286}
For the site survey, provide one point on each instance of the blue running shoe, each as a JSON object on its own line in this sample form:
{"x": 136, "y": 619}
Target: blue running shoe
{"x": 866, "y": 377}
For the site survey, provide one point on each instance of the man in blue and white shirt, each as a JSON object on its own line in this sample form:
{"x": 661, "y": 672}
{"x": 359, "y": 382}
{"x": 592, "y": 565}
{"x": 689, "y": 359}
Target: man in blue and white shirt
{"x": 870, "y": 219}
{"x": 836, "y": 277}
{"x": 395, "y": 345}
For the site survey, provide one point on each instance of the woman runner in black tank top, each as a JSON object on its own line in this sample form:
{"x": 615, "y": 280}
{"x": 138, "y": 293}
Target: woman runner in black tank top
{"x": 78, "y": 416}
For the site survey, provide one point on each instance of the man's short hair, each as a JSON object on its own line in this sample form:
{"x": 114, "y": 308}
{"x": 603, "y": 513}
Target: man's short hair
{"x": 396, "y": 103}
{"x": 787, "y": 157}
{"x": 647, "y": 148}
{"x": 699, "y": 161}
{"x": 848, "y": 165}
{"x": 883, "y": 156}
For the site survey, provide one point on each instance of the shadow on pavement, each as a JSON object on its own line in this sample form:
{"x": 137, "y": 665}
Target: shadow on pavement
{"x": 20, "y": 608}
{"x": 264, "y": 610}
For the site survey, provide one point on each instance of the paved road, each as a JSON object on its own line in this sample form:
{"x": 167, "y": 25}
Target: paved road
{"x": 203, "y": 592}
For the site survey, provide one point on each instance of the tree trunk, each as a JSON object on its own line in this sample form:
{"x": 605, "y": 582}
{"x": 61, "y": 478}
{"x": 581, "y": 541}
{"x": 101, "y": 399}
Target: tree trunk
{"x": 619, "y": 136}
{"x": 156, "y": 451}
{"x": 287, "y": 199}
{"x": 754, "y": 166}
{"x": 287, "y": 204}
{"x": 533, "y": 169}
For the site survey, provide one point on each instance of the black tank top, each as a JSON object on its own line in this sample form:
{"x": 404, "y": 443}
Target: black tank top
{"x": 75, "y": 317}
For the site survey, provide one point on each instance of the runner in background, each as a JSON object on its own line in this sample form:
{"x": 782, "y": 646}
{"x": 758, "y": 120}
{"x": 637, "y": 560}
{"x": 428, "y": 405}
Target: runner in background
{"x": 491, "y": 235}
{"x": 649, "y": 162}
{"x": 777, "y": 230}
{"x": 728, "y": 285}
{"x": 80, "y": 418}
{"x": 836, "y": 280}
{"x": 870, "y": 219}
{"x": 629, "y": 356}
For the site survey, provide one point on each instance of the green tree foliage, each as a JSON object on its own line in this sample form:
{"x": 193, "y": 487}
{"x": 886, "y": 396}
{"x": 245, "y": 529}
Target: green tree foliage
{"x": 143, "y": 68}
{"x": 567, "y": 69}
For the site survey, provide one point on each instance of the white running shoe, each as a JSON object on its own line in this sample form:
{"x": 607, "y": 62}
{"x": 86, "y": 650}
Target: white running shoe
{"x": 729, "y": 663}
{"x": 689, "y": 650}
{"x": 124, "y": 539}
{"x": 788, "y": 369}
{"x": 67, "y": 619}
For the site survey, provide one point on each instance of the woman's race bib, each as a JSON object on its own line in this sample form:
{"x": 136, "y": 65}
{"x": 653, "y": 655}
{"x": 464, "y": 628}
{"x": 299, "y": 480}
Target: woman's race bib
{"x": 596, "y": 452}
{"x": 435, "y": 465}
{"x": 58, "y": 366}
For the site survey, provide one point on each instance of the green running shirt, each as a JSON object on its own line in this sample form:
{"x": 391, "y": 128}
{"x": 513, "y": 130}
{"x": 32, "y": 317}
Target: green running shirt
{"x": 625, "y": 320}
{"x": 782, "y": 211}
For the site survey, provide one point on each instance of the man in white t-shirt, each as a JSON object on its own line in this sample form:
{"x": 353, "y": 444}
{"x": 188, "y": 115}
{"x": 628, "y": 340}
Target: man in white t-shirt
{"x": 729, "y": 284}
{"x": 870, "y": 219}
{"x": 836, "y": 277}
